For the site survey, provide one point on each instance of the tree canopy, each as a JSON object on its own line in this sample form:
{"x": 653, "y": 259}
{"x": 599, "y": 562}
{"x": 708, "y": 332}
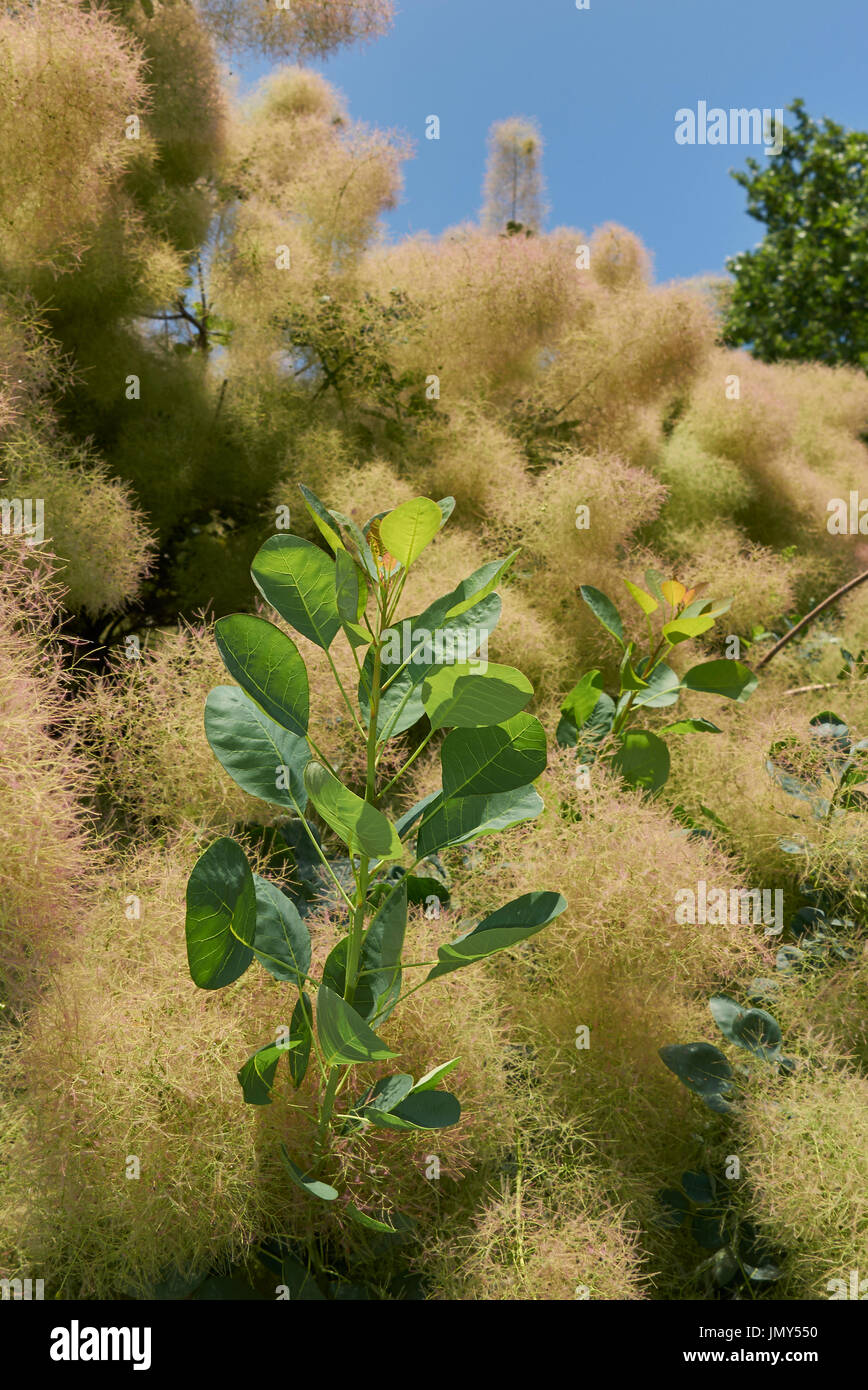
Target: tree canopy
{"x": 802, "y": 294}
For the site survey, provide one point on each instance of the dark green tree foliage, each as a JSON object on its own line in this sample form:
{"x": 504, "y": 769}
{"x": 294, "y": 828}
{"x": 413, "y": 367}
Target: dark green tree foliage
{"x": 802, "y": 294}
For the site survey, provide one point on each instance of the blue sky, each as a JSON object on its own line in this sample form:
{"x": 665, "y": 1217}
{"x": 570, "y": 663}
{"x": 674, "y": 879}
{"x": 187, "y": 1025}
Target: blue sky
{"x": 604, "y": 84}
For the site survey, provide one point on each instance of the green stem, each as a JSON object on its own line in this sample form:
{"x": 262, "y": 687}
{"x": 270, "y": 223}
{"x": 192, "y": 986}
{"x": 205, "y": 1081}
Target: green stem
{"x": 346, "y": 699}
{"x": 326, "y": 1109}
{"x": 358, "y": 925}
{"x": 400, "y": 773}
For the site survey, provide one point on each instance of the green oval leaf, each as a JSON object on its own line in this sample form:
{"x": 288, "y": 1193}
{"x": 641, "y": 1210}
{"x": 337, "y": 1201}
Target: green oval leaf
{"x": 257, "y": 752}
{"x": 458, "y": 819}
{"x": 691, "y": 726}
{"x": 753, "y": 1029}
{"x": 323, "y": 518}
{"x": 300, "y": 1037}
{"x": 389, "y": 1092}
{"x": 410, "y": 528}
{"x": 282, "y": 941}
{"x": 426, "y": 643}
{"x": 221, "y": 916}
{"x": 436, "y": 1075}
{"x": 351, "y": 591}
{"x": 642, "y": 760}
{"x": 645, "y": 601}
{"x": 256, "y": 1077}
{"x": 481, "y": 762}
{"x": 583, "y": 699}
{"x": 475, "y": 588}
{"x": 461, "y": 697}
{"x": 298, "y": 579}
{"x": 379, "y": 984}
{"x": 603, "y": 610}
{"x": 268, "y": 666}
{"x": 702, "y": 1068}
{"x": 515, "y": 922}
{"x": 421, "y": 1110}
{"x": 323, "y": 1190}
{"x": 363, "y": 1219}
{"x": 344, "y": 1037}
{"x": 662, "y": 688}
{"x": 363, "y": 828}
{"x": 724, "y": 677}
{"x": 683, "y": 629}
{"x": 699, "y": 1188}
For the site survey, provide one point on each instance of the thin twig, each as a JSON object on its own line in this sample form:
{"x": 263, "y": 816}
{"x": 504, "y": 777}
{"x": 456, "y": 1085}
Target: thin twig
{"x": 809, "y": 617}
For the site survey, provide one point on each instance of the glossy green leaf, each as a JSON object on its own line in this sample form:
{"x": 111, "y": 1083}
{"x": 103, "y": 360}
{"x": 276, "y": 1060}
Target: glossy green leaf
{"x": 476, "y": 587}
{"x": 685, "y": 629}
{"x": 499, "y": 758}
{"x": 603, "y": 610}
{"x": 421, "y": 1110}
{"x": 221, "y": 916}
{"x": 379, "y": 984}
{"x": 461, "y": 697}
{"x": 646, "y": 602}
{"x": 642, "y": 760}
{"x": 344, "y": 1036}
{"x": 370, "y": 1222}
{"x": 282, "y": 941}
{"x": 506, "y": 927}
{"x": 268, "y": 666}
{"x": 323, "y": 518}
{"x": 582, "y": 700}
{"x": 722, "y": 677}
{"x": 427, "y": 643}
{"x": 629, "y": 678}
{"x": 257, "y": 752}
{"x": 351, "y": 591}
{"x": 298, "y": 580}
{"x": 458, "y": 819}
{"x": 435, "y": 1076}
{"x": 323, "y": 1190}
{"x": 592, "y": 731}
{"x": 662, "y": 689}
{"x": 691, "y": 726}
{"x": 753, "y": 1029}
{"x": 300, "y": 1037}
{"x": 256, "y": 1077}
{"x": 410, "y": 528}
{"x": 389, "y": 1092}
{"x": 702, "y": 1068}
{"x": 363, "y": 828}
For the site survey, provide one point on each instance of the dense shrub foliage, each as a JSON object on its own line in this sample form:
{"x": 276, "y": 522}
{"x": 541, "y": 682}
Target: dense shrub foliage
{"x": 197, "y": 314}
